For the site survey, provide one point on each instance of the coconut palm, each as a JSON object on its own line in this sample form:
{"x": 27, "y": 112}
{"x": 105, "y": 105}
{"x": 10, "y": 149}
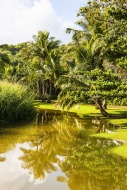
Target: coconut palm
{"x": 43, "y": 55}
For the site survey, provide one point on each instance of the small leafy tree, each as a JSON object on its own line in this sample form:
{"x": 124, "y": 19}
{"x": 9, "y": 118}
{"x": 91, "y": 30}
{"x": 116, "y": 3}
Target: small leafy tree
{"x": 97, "y": 51}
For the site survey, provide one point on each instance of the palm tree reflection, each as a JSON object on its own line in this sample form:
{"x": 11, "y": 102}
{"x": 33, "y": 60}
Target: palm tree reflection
{"x": 2, "y": 159}
{"x": 50, "y": 141}
{"x": 86, "y": 160}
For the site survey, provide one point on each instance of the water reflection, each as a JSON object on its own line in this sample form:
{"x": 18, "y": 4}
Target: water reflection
{"x": 59, "y": 148}
{"x": 95, "y": 169}
{"x": 103, "y": 126}
{"x": 2, "y": 159}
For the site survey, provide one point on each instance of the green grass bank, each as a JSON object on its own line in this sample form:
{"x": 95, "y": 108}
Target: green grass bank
{"x": 118, "y": 117}
{"x": 118, "y": 113}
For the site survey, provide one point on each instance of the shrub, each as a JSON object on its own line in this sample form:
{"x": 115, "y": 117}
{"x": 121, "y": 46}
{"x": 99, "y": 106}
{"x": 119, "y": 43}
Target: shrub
{"x": 16, "y": 103}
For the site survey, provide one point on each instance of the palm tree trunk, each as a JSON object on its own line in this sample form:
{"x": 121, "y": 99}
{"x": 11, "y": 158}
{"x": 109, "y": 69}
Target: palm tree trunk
{"x": 39, "y": 88}
{"x": 43, "y": 91}
{"x": 50, "y": 92}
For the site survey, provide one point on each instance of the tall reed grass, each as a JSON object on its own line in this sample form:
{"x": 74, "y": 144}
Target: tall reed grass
{"x": 16, "y": 103}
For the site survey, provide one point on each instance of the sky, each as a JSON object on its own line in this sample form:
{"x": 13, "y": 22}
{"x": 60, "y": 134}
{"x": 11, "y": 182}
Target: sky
{"x": 21, "y": 19}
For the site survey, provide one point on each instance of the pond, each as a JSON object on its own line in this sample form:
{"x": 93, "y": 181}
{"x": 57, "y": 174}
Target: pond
{"x": 57, "y": 152}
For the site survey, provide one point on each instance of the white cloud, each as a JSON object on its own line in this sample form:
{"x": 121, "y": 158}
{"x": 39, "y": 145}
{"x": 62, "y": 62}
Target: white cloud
{"x": 21, "y": 19}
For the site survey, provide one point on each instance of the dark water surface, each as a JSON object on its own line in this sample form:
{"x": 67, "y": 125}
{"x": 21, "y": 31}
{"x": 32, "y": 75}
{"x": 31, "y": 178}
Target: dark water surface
{"x": 56, "y": 152}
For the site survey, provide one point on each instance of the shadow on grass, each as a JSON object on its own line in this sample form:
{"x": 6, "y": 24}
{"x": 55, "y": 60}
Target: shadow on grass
{"x": 121, "y": 112}
{"x": 117, "y": 114}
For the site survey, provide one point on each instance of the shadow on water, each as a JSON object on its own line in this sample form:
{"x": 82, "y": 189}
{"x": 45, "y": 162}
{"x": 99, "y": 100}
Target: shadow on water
{"x": 60, "y": 145}
{"x": 99, "y": 124}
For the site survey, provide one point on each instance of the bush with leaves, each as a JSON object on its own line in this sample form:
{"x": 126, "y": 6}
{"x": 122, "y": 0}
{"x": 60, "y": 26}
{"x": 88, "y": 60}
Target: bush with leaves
{"x": 16, "y": 103}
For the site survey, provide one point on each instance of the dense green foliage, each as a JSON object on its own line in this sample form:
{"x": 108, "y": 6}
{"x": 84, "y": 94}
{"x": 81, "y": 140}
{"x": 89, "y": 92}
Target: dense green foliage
{"x": 99, "y": 70}
{"x": 16, "y": 103}
{"x": 41, "y": 68}
{"x": 92, "y": 68}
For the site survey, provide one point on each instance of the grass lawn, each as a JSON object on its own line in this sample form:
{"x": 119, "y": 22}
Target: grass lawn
{"x": 120, "y": 134}
{"x": 118, "y": 117}
{"x": 119, "y": 113}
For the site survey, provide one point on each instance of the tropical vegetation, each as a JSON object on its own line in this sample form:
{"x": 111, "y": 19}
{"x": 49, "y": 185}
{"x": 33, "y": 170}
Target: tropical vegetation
{"x": 92, "y": 68}
{"x": 81, "y": 77}
{"x": 16, "y": 103}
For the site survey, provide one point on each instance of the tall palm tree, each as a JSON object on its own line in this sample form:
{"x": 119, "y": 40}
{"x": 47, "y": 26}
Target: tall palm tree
{"x": 43, "y": 53}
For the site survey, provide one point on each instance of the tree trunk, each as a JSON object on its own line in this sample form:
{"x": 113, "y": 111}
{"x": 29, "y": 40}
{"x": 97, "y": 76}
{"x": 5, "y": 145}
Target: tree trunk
{"x": 39, "y": 86}
{"x": 50, "y": 92}
{"x": 43, "y": 91}
{"x": 104, "y": 104}
{"x": 102, "y": 110}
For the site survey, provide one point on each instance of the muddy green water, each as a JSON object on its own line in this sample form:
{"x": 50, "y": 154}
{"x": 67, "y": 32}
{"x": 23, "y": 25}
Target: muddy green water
{"x": 56, "y": 152}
